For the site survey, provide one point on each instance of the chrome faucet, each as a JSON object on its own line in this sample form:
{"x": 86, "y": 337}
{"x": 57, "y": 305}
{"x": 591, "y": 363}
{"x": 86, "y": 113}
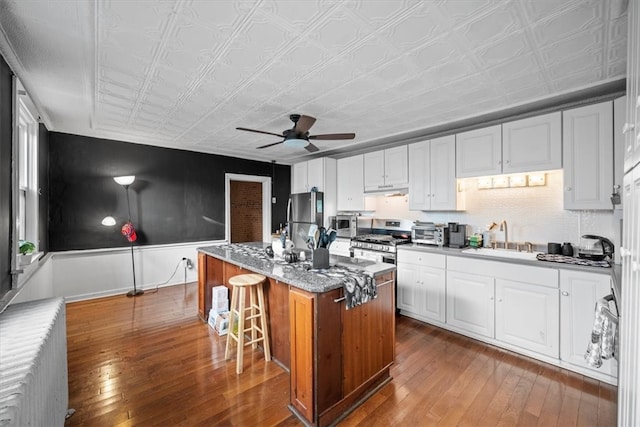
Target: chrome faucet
{"x": 503, "y": 227}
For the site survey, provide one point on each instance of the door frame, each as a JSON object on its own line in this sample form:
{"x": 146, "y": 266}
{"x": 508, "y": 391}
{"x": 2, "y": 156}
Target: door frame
{"x": 266, "y": 203}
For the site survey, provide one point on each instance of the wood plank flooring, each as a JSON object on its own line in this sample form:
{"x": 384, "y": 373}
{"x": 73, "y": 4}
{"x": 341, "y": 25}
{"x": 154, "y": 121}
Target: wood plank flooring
{"x": 150, "y": 361}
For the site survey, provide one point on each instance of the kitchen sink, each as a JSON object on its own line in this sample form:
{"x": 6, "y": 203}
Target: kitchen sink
{"x": 501, "y": 253}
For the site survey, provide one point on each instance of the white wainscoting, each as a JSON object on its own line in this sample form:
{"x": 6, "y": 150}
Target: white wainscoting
{"x": 87, "y": 274}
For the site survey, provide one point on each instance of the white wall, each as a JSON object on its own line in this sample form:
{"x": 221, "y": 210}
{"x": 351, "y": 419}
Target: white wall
{"x": 533, "y": 214}
{"x": 79, "y": 275}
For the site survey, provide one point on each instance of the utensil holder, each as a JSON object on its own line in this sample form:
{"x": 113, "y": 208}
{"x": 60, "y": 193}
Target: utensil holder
{"x": 320, "y": 258}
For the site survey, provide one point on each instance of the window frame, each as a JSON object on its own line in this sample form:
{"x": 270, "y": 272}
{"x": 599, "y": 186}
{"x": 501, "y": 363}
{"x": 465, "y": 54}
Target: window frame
{"x": 25, "y": 184}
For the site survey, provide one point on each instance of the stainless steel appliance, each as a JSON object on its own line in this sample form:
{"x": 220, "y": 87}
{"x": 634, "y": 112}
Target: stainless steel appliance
{"x": 595, "y": 248}
{"x": 351, "y": 225}
{"x": 457, "y": 235}
{"x": 303, "y": 211}
{"x": 380, "y": 244}
{"x": 429, "y": 233}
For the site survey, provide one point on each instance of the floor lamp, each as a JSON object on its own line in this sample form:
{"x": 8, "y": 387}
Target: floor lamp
{"x": 127, "y": 229}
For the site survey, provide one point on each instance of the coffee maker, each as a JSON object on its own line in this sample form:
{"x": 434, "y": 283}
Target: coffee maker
{"x": 457, "y": 235}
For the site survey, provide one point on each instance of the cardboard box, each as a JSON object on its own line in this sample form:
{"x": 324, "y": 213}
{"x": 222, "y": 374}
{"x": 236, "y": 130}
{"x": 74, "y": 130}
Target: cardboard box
{"x": 221, "y": 323}
{"x": 219, "y": 306}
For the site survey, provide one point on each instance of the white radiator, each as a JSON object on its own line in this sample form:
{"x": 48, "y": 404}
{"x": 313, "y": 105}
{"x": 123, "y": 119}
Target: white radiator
{"x": 33, "y": 364}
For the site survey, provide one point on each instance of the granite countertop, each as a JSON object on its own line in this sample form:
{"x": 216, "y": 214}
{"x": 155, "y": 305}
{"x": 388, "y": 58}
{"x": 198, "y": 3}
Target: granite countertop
{"x": 299, "y": 274}
{"x": 614, "y": 271}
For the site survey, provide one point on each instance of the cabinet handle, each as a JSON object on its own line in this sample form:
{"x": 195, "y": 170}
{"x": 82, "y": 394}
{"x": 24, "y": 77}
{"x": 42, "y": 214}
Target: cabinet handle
{"x": 490, "y": 298}
{"x": 565, "y": 293}
{"x": 340, "y": 299}
{"x": 508, "y": 161}
{"x": 499, "y": 162}
{"x": 568, "y": 189}
{"x": 499, "y": 299}
{"x": 628, "y": 127}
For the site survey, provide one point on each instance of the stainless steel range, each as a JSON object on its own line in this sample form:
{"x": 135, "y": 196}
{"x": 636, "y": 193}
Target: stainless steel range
{"x": 380, "y": 244}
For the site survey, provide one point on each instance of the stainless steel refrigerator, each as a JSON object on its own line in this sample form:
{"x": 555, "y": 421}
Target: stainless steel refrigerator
{"x": 303, "y": 210}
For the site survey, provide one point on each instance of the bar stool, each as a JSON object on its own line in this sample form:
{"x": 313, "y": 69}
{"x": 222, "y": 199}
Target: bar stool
{"x": 238, "y": 316}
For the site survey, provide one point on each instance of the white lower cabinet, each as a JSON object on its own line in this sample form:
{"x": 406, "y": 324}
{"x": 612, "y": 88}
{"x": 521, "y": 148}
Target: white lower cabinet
{"x": 421, "y": 285}
{"x": 470, "y": 302}
{"x": 527, "y": 316}
{"x": 511, "y": 303}
{"x": 579, "y": 292}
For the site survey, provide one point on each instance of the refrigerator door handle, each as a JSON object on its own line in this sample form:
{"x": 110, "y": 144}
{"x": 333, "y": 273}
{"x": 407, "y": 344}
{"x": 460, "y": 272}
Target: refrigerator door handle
{"x": 289, "y": 210}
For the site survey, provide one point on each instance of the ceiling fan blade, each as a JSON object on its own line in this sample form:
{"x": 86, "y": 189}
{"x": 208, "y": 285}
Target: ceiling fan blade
{"x": 334, "y": 136}
{"x": 304, "y": 123}
{"x": 311, "y": 148}
{"x": 270, "y": 145}
{"x": 261, "y": 131}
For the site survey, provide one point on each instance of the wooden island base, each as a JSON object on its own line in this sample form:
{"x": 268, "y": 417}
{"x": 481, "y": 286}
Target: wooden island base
{"x": 336, "y": 358}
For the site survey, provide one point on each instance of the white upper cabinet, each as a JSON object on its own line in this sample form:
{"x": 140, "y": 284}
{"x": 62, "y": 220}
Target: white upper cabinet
{"x": 309, "y": 174}
{"x": 619, "y": 117}
{"x": 479, "y": 152}
{"x": 386, "y": 169}
{"x": 432, "y": 175}
{"x": 351, "y": 183}
{"x": 532, "y": 144}
{"x": 587, "y": 134}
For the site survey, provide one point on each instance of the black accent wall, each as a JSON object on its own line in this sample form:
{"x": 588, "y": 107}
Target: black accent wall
{"x": 43, "y": 188}
{"x": 178, "y": 196}
{"x": 6, "y": 102}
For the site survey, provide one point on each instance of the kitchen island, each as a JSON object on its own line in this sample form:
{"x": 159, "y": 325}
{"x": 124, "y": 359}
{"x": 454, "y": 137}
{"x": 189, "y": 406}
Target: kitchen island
{"x": 336, "y": 357}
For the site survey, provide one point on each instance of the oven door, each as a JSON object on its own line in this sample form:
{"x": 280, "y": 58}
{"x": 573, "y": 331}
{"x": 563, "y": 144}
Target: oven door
{"x": 385, "y": 257}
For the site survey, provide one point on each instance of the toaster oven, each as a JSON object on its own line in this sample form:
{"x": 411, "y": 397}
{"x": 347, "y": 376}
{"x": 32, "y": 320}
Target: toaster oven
{"x": 429, "y": 233}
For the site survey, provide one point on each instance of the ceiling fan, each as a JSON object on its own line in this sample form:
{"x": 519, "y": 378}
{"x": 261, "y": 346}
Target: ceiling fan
{"x": 298, "y": 135}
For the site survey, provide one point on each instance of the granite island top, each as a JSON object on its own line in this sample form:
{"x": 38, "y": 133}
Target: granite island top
{"x": 299, "y": 274}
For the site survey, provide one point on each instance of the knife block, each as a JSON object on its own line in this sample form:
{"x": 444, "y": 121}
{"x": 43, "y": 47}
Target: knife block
{"x": 320, "y": 258}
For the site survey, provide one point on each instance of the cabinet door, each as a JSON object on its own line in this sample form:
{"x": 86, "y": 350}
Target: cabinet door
{"x": 479, "y": 152}
{"x": 579, "y": 292}
{"x": 470, "y": 304}
{"x": 374, "y": 171}
{"x": 315, "y": 174}
{"x": 350, "y": 184}
{"x": 532, "y": 144}
{"x": 368, "y": 337}
{"x": 302, "y": 340}
{"x": 299, "y": 178}
{"x": 396, "y": 167}
{"x": 528, "y": 316}
{"x": 408, "y": 280}
{"x": 619, "y": 117}
{"x": 419, "y": 174}
{"x": 430, "y": 293}
{"x": 442, "y": 170}
{"x": 588, "y": 156}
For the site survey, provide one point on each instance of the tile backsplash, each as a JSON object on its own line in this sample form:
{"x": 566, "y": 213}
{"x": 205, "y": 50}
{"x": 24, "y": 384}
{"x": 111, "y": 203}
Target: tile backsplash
{"x": 533, "y": 214}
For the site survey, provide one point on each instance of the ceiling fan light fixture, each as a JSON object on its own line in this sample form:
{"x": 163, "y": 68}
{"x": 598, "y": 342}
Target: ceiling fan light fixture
{"x": 296, "y": 142}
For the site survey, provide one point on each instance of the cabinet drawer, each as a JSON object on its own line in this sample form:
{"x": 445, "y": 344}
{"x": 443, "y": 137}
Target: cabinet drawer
{"x": 504, "y": 270}
{"x": 422, "y": 258}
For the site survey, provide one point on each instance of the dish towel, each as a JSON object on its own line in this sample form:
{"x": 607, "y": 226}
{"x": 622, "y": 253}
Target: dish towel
{"x": 603, "y": 336}
{"x": 359, "y": 289}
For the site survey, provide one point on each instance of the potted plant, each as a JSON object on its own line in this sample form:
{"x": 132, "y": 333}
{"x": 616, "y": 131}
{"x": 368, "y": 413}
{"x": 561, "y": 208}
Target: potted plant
{"x": 26, "y": 251}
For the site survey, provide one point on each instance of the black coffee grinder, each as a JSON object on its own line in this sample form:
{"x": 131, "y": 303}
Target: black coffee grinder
{"x": 457, "y": 235}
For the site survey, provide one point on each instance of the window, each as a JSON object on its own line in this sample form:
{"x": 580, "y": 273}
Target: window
{"x": 27, "y": 170}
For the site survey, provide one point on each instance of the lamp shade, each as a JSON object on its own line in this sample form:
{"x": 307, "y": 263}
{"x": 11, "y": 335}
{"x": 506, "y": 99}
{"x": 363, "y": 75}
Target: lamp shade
{"x": 109, "y": 221}
{"x": 296, "y": 142}
{"x": 125, "y": 180}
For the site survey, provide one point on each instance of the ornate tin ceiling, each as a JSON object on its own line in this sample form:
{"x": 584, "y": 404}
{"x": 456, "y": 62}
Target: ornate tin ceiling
{"x": 185, "y": 74}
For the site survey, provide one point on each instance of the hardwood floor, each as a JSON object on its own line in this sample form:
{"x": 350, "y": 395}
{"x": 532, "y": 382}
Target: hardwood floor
{"x": 150, "y": 361}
